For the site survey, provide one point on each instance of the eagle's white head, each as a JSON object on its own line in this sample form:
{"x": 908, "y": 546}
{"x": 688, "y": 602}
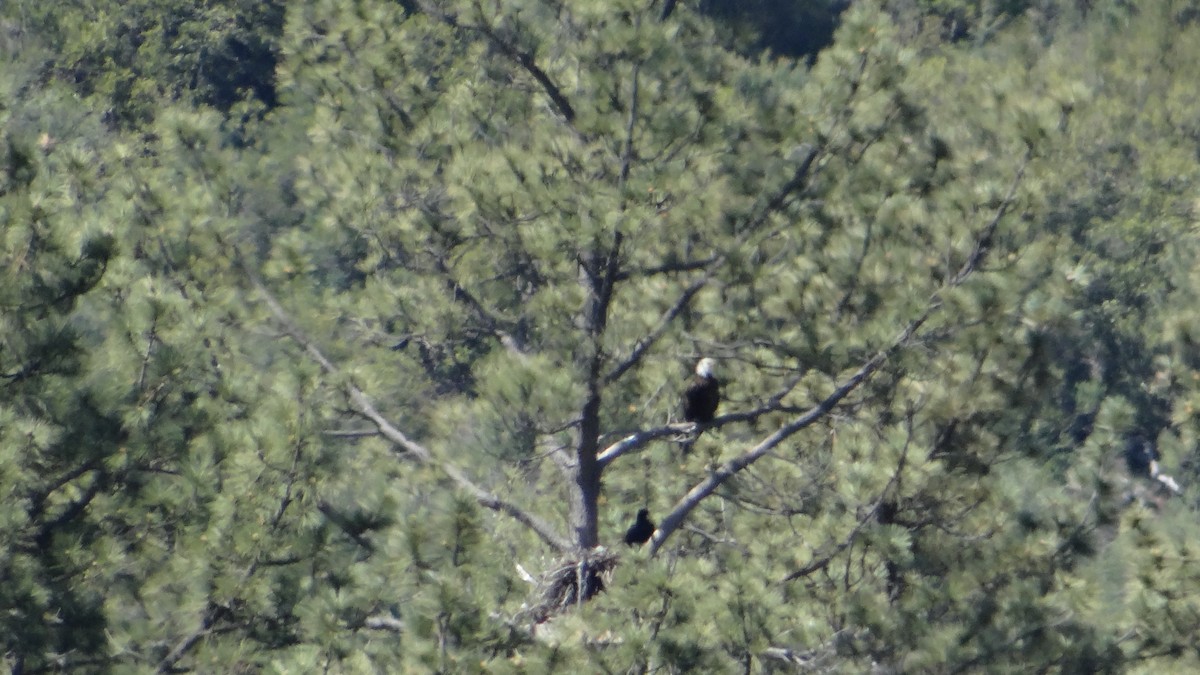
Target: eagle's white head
{"x": 704, "y": 368}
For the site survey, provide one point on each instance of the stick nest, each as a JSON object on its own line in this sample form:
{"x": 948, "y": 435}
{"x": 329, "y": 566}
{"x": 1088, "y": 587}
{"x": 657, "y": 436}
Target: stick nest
{"x": 559, "y": 589}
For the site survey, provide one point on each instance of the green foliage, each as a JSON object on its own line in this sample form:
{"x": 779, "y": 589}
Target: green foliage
{"x": 319, "y": 382}
{"x": 133, "y": 55}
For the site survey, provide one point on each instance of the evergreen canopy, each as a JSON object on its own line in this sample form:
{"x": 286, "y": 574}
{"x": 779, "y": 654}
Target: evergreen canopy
{"x": 350, "y": 336}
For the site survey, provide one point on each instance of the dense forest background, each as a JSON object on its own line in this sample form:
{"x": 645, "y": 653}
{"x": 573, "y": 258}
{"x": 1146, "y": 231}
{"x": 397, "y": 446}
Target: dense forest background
{"x": 349, "y": 336}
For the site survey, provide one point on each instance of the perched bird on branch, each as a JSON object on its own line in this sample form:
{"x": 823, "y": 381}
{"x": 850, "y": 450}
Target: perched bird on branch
{"x": 701, "y": 398}
{"x": 641, "y": 530}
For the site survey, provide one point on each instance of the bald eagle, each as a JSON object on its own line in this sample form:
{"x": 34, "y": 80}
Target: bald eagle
{"x": 703, "y": 394}
{"x": 641, "y": 530}
{"x": 701, "y": 398}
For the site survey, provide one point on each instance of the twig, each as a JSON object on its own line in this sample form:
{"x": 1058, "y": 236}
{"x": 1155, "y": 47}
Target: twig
{"x": 870, "y": 516}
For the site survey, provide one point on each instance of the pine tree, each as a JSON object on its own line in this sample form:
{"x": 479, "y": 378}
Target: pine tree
{"x": 565, "y": 208}
{"x": 375, "y": 381}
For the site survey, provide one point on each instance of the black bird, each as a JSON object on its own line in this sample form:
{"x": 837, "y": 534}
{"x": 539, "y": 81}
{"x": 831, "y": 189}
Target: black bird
{"x": 641, "y": 530}
{"x": 1141, "y": 456}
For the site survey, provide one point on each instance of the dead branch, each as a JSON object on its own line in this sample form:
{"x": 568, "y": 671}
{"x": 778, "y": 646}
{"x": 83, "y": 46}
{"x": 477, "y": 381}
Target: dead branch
{"x": 870, "y": 516}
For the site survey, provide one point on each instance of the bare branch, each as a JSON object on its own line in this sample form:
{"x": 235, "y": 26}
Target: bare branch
{"x": 627, "y": 150}
{"x": 667, "y": 268}
{"x": 363, "y": 406}
{"x": 185, "y": 645}
{"x": 73, "y": 510}
{"x": 983, "y": 242}
{"x": 639, "y": 350}
{"x": 385, "y": 622}
{"x": 37, "y": 499}
{"x": 490, "y": 321}
{"x": 351, "y": 433}
{"x": 810, "y": 661}
{"x": 638, "y": 439}
{"x": 798, "y": 180}
{"x": 870, "y": 516}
